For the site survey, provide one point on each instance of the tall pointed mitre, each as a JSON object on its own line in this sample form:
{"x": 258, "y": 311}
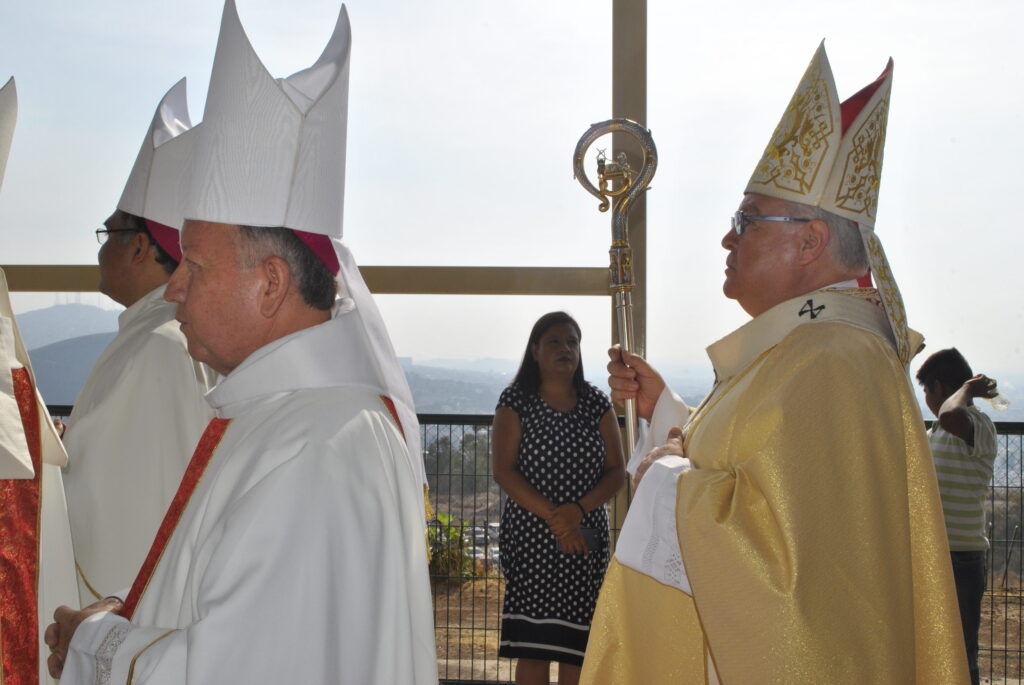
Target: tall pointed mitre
{"x": 8, "y": 115}
{"x": 158, "y": 182}
{"x": 15, "y": 461}
{"x": 271, "y": 153}
{"x": 828, "y": 154}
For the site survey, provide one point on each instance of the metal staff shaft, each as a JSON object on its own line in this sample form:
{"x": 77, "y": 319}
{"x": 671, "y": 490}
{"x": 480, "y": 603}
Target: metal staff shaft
{"x": 619, "y": 185}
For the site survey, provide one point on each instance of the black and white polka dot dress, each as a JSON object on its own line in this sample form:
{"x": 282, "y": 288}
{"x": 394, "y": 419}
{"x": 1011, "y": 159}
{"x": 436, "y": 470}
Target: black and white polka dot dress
{"x": 549, "y": 595}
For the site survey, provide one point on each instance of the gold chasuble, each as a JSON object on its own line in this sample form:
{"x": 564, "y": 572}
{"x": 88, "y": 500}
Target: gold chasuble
{"x": 809, "y": 527}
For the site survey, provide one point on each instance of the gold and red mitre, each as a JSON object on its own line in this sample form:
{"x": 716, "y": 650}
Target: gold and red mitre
{"x": 828, "y": 154}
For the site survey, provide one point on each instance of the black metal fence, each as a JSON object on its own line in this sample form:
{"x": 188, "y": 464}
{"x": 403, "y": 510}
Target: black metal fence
{"x": 1002, "y": 649}
{"x": 464, "y": 572}
{"x": 468, "y": 586}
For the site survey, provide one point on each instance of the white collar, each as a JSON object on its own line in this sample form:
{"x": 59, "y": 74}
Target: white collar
{"x": 859, "y": 307}
{"x": 146, "y": 303}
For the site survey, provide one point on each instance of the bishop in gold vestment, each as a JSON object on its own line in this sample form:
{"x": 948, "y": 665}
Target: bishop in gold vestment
{"x": 812, "y": 540}
{"x": 791, "y": 533}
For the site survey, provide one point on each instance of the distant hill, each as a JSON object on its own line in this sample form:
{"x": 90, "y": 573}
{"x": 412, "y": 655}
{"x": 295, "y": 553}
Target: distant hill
{"x": 451, "y": 391}
{"x": 65, "y": 341}
{"x": 43, "y": 327}
{"x": 61, "y": 368}
{"x": 506, "y": 367}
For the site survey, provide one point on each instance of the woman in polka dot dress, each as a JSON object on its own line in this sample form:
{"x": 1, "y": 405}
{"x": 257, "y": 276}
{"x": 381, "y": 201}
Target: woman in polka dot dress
{"x": 558, "y": 456}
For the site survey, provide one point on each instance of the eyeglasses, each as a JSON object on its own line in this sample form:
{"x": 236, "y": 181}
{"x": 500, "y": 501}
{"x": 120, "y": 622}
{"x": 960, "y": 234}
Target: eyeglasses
{"x": 103, "y": 233}
{"x": 739, "y": 220}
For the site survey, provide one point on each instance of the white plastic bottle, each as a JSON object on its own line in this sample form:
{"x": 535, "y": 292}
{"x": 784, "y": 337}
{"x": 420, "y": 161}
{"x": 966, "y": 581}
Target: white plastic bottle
{"x": 1000, "y": 402}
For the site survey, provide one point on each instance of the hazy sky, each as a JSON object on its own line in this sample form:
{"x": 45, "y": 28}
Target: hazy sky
{"x": 464, "y": 115}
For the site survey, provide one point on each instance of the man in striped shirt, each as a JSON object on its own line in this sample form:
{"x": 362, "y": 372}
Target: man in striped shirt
{"x": 963, "y": 443}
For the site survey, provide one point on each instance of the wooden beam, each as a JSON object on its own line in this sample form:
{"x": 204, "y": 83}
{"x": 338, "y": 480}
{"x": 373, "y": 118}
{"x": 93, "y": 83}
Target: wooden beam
{"x": 391, "y": 280}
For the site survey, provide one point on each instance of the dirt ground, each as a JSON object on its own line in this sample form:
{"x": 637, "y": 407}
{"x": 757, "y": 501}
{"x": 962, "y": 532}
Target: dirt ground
{"x": 1001, "y": 650}
{"x": 468, "y": 616}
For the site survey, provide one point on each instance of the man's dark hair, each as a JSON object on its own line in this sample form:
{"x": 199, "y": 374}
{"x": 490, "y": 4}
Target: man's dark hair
{"x": 138, "y": 224}
{"x": 315, "y": 282}
{"x": 946, "y": 366}
{"x": 528, "y": 376}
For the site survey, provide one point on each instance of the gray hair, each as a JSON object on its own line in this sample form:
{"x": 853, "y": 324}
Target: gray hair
{"x": 846, "y": 245}
{"x": 315, "y": 283}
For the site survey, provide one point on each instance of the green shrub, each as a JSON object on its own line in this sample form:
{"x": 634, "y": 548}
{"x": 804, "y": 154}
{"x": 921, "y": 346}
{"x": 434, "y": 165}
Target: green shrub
{"x": 448, "y": 554}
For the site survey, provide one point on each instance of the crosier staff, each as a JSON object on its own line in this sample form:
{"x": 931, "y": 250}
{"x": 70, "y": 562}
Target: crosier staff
{"x": 619, "y": 186}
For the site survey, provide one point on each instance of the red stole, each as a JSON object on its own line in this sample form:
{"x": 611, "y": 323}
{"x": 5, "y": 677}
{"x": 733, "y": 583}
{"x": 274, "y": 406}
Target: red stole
{"x": 390, "y": 404}
{"x": 193, "y": 474}
{"x": 20, "y": 502}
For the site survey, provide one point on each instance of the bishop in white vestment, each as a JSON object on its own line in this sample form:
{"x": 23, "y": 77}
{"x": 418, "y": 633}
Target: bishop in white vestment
{"x": 294, "y": 549}
{"x": 36, "y": 564}
{"x": 141, "y": 411}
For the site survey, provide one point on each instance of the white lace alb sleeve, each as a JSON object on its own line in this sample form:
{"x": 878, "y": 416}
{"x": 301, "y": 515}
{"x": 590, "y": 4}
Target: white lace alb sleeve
{"x": 648, "y": 542}
{"x": 92, "y": 649}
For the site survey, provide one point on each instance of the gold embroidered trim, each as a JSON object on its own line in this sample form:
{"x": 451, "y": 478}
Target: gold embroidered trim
{"x": 799, "y": 147}
{"x": 892, "y": 301}
{"x": 88, "y": 585}
{"x": 857, "y": 190}
{"x": 131, "y": 667}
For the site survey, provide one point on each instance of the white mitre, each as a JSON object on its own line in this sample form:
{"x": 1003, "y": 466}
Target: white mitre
{"x": 8, "y": 115}
{"x": 159, "y": 180}
{"x": 828, "y": 154}
{"x": 271, "y": 153}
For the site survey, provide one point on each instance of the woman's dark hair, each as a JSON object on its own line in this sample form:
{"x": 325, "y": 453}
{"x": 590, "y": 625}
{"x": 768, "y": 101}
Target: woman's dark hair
{"x": 528, "y": 376}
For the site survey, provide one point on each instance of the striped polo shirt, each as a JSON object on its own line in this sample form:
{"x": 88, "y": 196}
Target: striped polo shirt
{"x": 964, "y": 475}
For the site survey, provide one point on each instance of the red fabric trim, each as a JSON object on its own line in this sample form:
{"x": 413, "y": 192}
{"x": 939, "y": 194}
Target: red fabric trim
{"x": 20, "y": 502}
{"x": 865, "y": 280}
{"x": 853, "y": 105}
{"x": 193, "y": 474}
{"x": 322, "y": 247}
{"x": 389, "y": 403}
{"x": 166, "y": 237}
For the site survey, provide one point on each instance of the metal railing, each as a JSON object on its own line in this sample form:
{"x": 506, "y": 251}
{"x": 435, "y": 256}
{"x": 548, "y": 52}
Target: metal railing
{"x": 468, "y": 587}
{"x": 1001, "y": 652}
{"x": 467, "y": 598}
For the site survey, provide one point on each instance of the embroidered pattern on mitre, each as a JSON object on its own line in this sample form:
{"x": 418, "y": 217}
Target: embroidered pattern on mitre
{"x": 892, "y": 300}
{"x": 855, "y": 181}
{"x": 796, "y": 163}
